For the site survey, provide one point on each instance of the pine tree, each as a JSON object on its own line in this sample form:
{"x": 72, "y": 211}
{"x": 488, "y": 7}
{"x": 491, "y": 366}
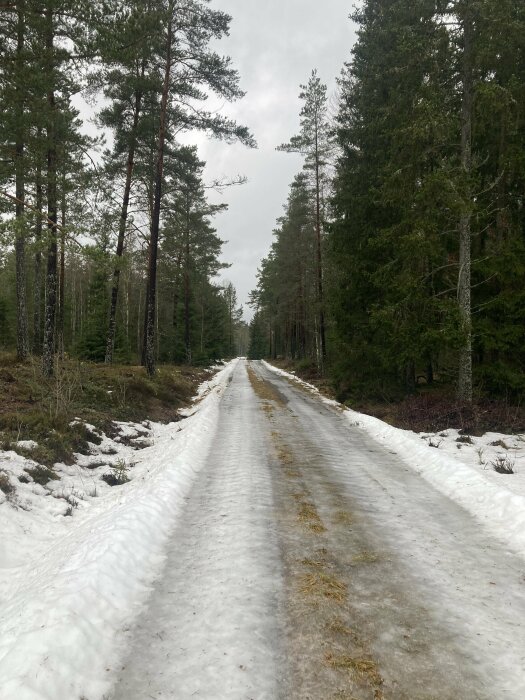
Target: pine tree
{"x": 189, "y": 68}
{"x": 127, "y": 81}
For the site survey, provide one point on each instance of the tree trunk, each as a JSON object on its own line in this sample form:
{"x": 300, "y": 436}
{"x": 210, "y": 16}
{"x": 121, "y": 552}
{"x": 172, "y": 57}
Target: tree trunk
{"x": 149, "y": 350}
{"x": 22, "y": 335}
{"x": 62, "y": 276}
{"x": 37, "y": 292}
{"x": 187, "y": 334}
{"x": 464, "y": 390}
{"x": 176, "y": 292}
{"x": 48, "y": 350}
{"x": 110, "y": 341}
{"x": 322, "y": 335}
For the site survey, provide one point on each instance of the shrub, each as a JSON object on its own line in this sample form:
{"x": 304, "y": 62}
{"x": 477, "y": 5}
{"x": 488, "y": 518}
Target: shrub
{"x": 118, "y": 474}
{"x": 41, "y": 475}
{"x": 5, "y": 485}
{"x": 503, "y": 465}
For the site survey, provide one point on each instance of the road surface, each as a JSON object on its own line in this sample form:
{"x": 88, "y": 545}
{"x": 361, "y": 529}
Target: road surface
{"x": 313, "y": 564}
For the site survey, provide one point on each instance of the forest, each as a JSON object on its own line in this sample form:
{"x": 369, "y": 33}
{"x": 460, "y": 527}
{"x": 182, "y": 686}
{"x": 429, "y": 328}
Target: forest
{"x": 398, "y": 263}
{"x": 108, "y": 250}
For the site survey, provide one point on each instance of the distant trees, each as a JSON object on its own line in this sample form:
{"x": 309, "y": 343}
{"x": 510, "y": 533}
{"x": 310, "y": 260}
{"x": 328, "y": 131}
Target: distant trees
{"x": 95, "y": 233}
{"x": 287, "y": 293}
{"x": 313, "y": 142}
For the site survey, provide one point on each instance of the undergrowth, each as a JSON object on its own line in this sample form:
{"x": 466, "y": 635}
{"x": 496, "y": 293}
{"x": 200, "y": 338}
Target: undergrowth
{"x": 53, "y": 412}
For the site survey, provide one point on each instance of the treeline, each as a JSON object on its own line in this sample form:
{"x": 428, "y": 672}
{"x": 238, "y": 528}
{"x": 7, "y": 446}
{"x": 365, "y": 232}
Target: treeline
{"x": 108, "y": 251}
{"x": 422, "y": 201}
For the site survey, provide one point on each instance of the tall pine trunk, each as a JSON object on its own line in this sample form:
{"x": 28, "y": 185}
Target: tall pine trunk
{"x": 464, "y": 390}
{"x": 48, "y": 350}
{"x": 62, "y": 275}
{"x": 37, "y": 292}
{"x": 322, "y": 334}
{"x": 151, "y": 289}
{"x": 110, "y": 341}
{"x": 22, "y": 335}
{"x": 187, "y": 333}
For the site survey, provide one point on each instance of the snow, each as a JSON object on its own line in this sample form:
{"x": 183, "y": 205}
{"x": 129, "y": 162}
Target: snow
{"x": 70, "y": 585}
{"x": 27, "y": 444}
{"x": 465, "y": 474}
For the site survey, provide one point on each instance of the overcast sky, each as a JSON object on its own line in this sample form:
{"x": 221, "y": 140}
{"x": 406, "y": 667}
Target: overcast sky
{"x": 275, "y": 45}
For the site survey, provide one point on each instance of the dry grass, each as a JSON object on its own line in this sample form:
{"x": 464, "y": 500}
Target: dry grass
{"x": 365, "y": 557}
{"x": 322, "y": 585}
{"x": 267, "y": 408}
{"x": 263, "y": 389}
{"x": 284, "y": 454}
{"x": 343, "y": 517}
{"x": 308, "y": 516}
{"x": 5, "y": 485}
{"x": 361, "y": 667}
{"x": 313, "y": 564}
{"x": 338, "y": 627}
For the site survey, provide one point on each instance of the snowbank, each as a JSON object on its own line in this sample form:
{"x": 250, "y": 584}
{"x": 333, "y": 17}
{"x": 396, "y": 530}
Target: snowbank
{"x": 77, "y": 582}
{"x": 465, "y": 473}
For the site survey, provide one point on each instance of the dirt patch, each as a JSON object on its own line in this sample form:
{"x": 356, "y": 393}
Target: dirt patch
{"x": 309, "y": 372}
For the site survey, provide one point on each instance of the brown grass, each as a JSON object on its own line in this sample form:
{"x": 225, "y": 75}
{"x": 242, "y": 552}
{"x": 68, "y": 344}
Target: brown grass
{"x": 33, "y": 407}
{"x": 263, "y": 389}
{"x": 284, "y": 454}
{"x": 267, "y": 408}
{"x": 308, "y": 516}
{"x": 361, "y": 667}
{"x": 337, "y": 626}
{"x": 365, "y": 557}
{"x": 343, "y": 517}
{"x": 321, "y": 585}
{"x": 313, "y": 564}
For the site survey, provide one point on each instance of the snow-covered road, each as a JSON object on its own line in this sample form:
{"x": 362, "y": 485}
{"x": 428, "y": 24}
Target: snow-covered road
{"x": 311, "y": 562}
{"x": 211, "y": 629}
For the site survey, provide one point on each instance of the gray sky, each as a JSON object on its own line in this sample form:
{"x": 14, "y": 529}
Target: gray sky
{"x": 275, "y": 45}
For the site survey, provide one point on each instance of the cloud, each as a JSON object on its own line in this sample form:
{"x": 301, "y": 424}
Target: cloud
{"x": 275, "y": 45}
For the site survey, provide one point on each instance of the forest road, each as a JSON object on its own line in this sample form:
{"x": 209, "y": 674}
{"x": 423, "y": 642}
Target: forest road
{"x": 313, "y": 564}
